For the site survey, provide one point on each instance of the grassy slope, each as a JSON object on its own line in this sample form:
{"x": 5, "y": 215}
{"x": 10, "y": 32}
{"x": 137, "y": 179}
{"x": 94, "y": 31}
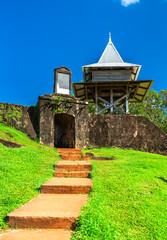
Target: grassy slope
{"x": 22, "y": 170}
{"x": 129, "y": 198}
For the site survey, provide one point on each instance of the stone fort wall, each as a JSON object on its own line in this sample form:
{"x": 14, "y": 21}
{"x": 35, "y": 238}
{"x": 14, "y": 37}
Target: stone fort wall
{"x": 120, "y": 131}
{"x": 52, "y": 105}
{"x": 126, "y": 131}
{"x": 23, "y": 118}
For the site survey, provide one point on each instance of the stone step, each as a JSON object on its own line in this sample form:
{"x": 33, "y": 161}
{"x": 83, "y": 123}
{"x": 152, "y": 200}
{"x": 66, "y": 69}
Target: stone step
{"x": 71, "y": 154}
{"x": 51, "y": 211}
{"x": 73, "y": 166}
{"x": 74, "y": 157}
{"x": 80, "y": 174}
{"x": 68, "y": 150}
{"x": 67, "y": 186}
{"x": 40, "y": 234}
{"x": 85, "y": 157}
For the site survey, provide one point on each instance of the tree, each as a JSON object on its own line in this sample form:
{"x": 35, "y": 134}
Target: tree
{"x": 91, "y": 108}
{"x": 154, "y": 108}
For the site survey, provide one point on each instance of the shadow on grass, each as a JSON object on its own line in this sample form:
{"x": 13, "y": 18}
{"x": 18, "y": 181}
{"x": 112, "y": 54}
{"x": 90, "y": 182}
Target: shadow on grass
{"x": 38, "y": 189}
{"x": 163, "y": 179}
{"x": 91, "y": 156}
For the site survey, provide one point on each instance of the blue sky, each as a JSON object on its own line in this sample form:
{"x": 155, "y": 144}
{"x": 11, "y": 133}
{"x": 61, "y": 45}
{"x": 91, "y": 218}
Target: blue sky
{"x": 38, "y": 36}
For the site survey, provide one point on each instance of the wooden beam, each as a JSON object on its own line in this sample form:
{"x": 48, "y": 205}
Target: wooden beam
{"x": 81, "y": 96}
{"x": 139, "y": 94}
{"x": 143, "y": 87}
{"x": 137, "y": 99}
{"x": 80, "y": 89}
{"x": 110, "y": 105}
{"x": 119, "y": 109}
{"x": 103, "y": 100}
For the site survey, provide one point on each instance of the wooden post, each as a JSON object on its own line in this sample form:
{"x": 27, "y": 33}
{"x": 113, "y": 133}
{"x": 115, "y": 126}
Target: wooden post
{"x": 114, "y": 103}
{"x": 111, "y": 100}
{"x": 127, "y": 105}
{"x": 96, "y": 100}
{"x": 127, "y": 102}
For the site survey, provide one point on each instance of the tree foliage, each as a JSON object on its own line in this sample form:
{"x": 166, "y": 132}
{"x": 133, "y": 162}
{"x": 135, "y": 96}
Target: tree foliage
{"x": 91, "y": 108}
{"x": 154, "y": 108}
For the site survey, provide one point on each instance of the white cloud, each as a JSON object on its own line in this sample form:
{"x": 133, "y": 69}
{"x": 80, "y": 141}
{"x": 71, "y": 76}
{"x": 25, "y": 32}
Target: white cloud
{"x": 126, "y": 3}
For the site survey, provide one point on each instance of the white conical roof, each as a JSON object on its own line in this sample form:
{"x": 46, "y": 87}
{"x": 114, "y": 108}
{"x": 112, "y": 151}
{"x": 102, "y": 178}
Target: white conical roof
{"x": 110, "y": 54}
{"x": 111, "y": 59}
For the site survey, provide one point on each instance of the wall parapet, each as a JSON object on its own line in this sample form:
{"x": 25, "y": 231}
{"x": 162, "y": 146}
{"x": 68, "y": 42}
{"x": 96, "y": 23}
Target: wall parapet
{"x": 121, "y": 131}
{"x": 126, "y": 131}
{"x": 23, "y": 118}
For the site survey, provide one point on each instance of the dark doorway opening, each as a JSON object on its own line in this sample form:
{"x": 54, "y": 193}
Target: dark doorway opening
{"x": 64, "y": 131}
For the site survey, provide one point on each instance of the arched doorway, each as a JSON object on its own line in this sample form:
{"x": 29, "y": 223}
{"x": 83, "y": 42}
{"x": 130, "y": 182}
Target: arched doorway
{"x": 64, "y": 131}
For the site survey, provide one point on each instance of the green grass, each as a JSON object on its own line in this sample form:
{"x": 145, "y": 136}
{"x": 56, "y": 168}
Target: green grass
{"x": 22, "y": 170}
{"x": 129, "y": 197}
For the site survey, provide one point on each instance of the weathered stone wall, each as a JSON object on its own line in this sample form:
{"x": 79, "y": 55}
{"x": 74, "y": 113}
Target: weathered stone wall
{"x": 65, "y": 105}
{"x": 21, "y": 117}
{"x": 126, "y": 131}
{"x": 122, "y": 131}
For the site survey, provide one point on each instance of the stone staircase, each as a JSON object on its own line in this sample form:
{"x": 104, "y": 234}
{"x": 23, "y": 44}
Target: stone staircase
{"x": 59, "y": 204}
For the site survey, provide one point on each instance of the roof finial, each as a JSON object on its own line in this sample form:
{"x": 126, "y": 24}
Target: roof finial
{"x": 109, "y": 37}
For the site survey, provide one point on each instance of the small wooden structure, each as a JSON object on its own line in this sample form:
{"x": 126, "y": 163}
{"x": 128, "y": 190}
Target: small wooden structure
{"x": 111, "y": 83}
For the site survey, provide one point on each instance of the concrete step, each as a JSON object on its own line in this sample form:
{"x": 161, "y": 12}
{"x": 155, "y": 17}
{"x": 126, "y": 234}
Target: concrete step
{"x": 85, "y": 157}
{"x": 67, "y": 186}
{"x": 74, "y": 157}
{"x": 51, "y": 211}
{"x": 40, "y": 234}
{"x": 71, "y": 153}
{"x": 80, "y": 174}
{"x": 68, "y": 150}
{"x": 73, "y": 166}
{"x": 71, "y": 157}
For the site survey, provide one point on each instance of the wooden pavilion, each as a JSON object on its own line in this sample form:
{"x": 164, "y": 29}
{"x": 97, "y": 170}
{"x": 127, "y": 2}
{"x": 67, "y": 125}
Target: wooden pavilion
{"x": 111, "y": 83}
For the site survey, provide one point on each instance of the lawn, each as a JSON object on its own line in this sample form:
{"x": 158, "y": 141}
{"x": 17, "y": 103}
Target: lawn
{"x": 22, "y": 170}
{"x": 129, "y": 197}
{"x": 128, "y": 200}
